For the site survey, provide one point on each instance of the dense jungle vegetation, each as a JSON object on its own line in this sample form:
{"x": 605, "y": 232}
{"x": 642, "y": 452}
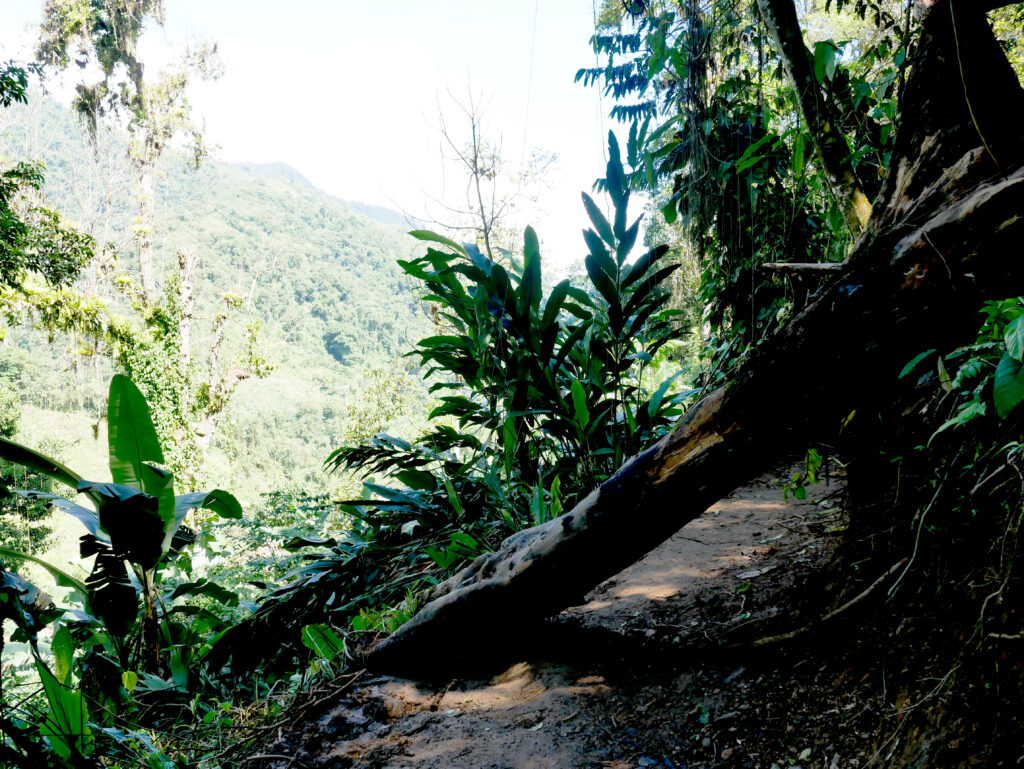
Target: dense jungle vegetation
{"x": 282, "y": 420}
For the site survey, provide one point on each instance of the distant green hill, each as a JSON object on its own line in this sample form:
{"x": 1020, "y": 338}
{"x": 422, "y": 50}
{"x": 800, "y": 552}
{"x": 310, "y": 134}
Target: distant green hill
{"x": 321, "y": 276}
{"x": 380, "y": 214}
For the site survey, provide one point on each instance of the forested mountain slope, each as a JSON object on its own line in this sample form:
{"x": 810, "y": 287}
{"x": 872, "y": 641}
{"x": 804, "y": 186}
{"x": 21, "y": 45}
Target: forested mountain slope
{"x": 321, "y": 279}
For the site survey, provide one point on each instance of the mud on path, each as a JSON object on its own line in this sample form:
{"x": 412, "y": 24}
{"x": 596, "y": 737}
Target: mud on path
{"x": 654, "y": 670}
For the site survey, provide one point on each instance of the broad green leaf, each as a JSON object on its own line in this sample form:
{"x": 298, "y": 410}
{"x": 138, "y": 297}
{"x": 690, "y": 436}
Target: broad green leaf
{"x": 554, "y": 304}
{"x": 29, "y": 607}
{"x": 616, "y": 177}
{"x": 915, "y": 361}
{"x": 647, "y": 310}
{"x": 66, "y": 725}
{"x": 642, "y": 265}
{"x": 88, "y": 517}
{"x": 645, "y": 292}
{"x": 442, "y": 559}
{"x": 150, "y": 682}
{"x": 748, "y": 163}
{"x": 22, "y": 455}
{"x": 433, "y": 237}
{"x": 655, "y": 402}
{"x": 1008, "y": 389}
{"x": 601, "y": 225}
{"x": 656, "y": 43}
{"x": 578, "y": 311}
{"x": 465, "y": 542}
{"x": 579, "y": 404}
{"x": 509, "y": 439}
{"x": 179, "y": 667}
{"x": 1014, "y": 338}
{"x": 205, "y": 587}
{"x": 538, "y": 508}
{"x": 218, "y": 501}
{"x": 432, "y": 342}
{"x": 944, "y": 379}
{"x": 414, "y": 268}
{"x": 63, "y": 648}
{"x": 453, "y": 499}
{"x": 132, "y": 519}
{"x": 601, "y": 270}
{"x": 594, "y": 244}
{"x": 63, "y": 578}
{"x": 824, "y": 60}
{"x": 114, "y": 599}
{"x": 132, "y": 437}
{"x": 503, "y": 291}
{"x": 660, "y": 130}
{"x": 798, "y": 154}
{"x": 621, "y": 205}
{"x": 159, "y": 483}
{"x": 749, "y": 152}
{"x": 669, "y": 212}
{"x": 580, "y": 296}
{"x": 570, "y": 342}
{"x": 297, "y": 543}
{"x": 390, "y": 494}
{"x": 421, "y": 480}
{"x": 530, "y": 288}
{"x": 628, "y": 241}
{"x": 556, "y": 497}
{"x": 970, "y": 410}
{"x": 129, "y": 679}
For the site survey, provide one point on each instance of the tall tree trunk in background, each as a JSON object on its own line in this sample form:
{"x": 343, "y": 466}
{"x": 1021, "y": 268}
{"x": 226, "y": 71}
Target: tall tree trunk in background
{"x": 221, "y": 385}
{"x": 818, "y": 114}
{"x": 942, "y": 239}
{"x": 188, "y": 262}
{"x": 147, "y": 222}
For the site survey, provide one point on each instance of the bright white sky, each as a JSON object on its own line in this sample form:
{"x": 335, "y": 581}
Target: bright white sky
{"x": 347, "y": 91}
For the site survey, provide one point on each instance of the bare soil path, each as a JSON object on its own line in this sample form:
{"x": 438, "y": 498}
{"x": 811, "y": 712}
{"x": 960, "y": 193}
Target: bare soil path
{"x": 647, "y": 673}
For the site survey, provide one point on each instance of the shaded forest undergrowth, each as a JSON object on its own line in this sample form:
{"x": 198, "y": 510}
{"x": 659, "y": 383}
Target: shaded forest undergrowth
{"x": 737, "y": 643}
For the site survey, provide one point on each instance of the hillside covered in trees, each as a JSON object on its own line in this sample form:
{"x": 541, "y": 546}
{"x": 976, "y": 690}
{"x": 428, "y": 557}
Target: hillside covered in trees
{"x": 286, "y": 486}
{"x": 335, "y": 310}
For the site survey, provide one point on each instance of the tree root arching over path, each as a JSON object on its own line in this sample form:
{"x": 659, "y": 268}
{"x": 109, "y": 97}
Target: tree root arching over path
{"x": 648, "y": 671}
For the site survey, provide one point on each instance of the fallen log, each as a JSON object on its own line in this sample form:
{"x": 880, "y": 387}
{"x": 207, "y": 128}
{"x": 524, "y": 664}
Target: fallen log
{"x": 944, "y": 236}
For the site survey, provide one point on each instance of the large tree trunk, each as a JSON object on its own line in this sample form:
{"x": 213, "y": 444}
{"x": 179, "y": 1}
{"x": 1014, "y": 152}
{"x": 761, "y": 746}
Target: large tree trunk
{"x": 945, "y": 235}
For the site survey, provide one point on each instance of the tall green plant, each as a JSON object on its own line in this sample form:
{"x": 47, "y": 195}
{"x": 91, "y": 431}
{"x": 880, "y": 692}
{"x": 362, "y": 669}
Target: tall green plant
{"x": 717, "y": 138}
{"x": 541, "y": 397}
{"x": 545, "y": 387}
{"x": 134, "y": 525}
{"x": 65, "y": 725}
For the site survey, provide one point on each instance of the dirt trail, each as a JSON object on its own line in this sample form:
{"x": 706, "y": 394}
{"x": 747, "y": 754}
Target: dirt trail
{"x": 641, "y": 675}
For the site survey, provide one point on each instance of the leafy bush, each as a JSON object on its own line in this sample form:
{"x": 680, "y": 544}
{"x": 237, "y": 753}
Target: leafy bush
{"x": 542, "y": 398}
{"x": 118, "y": 648}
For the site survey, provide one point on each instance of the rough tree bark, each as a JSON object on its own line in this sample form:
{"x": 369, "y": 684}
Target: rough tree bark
{"x": 780, "y": 19}
{"x": 222, "y": 384}
{"x": 944, "y": 236}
